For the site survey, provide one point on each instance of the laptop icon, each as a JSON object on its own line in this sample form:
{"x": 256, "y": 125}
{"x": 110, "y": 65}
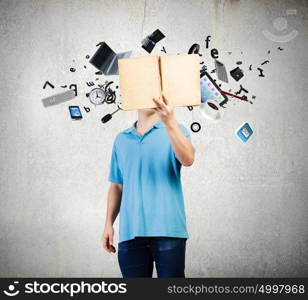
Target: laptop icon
{"x": 106, "y": 60}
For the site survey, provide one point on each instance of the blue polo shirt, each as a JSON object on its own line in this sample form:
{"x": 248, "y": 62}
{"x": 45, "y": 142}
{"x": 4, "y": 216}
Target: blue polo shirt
{"x": 152, "y": 199}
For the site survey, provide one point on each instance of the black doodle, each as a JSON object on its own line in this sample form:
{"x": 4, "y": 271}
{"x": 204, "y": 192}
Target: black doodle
{"x": 194, "y": 49}
{"x": 250, "y": 67}
{"x": 242, "y": 89}
{"x": 98, "y": 73}
{"x": 87, "y": 56}
{"x": 253, "y": 97}
{"x": 265, "y": 62}
{"x": 214, "y": 53}
{"x": 85, "y": 67}
{"x": 48, "y": 83}
{"x": 75, "y": 88}
{"x": 244, "y": 97}
{"x": 239, "y": 62}
{"x": 195, "y": 127}
{"x": 207, "y": 40}
{"x": 90, "y": 83}
{"x": 110, "y": 94}
{"x": 261, "y": 72}
{"x": 190, "y": 108}
{"x": 200, "y": 54}
{"x": 213, "y": 71}
{"x": 219, "y": 85}
{"x": 269, "y": 51}
{"x": 117, "y": 87}
{"x": 280, "y": 49}
{"x": 204, "y": 68}
{"x": 72, "y": 69}
{"x": 87, "y": 109}
{"x": 87, "y": 95}
{"x": 163, "y": 49}
{"x": 201, "y": 63}
{"x": 63, "y": 86}
{"x": 96, "y": 78}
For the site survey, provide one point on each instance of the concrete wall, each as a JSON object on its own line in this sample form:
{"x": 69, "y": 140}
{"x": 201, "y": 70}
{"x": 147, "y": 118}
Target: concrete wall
{"x": 246, "y": 204}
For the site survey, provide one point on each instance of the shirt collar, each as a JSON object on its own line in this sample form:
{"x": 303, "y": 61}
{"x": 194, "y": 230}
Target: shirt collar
{"x": 158, "y": 124}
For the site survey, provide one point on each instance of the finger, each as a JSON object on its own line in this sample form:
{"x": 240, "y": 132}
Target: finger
{"x": 111, "y": 248}
{"x": 165, "y": 109}
{"x": 164, "y": 104}
{"x": 165, "y": 99}
{"x": 105, "y": 244}
{"x": 158, "y": 102}
{"x": 159, "y": 110}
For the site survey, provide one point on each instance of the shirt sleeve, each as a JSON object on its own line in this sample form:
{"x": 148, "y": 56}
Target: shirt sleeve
{"x": 115, "y": 173}
{"x": 185, "y": 131}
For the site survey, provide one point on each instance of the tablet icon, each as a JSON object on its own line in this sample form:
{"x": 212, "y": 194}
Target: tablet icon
{"x": 12, "y": 292}
{"x": 280, "y": 24}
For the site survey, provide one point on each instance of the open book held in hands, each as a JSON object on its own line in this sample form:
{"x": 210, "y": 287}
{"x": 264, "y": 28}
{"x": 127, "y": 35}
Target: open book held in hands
{"x": 145, "y": 78}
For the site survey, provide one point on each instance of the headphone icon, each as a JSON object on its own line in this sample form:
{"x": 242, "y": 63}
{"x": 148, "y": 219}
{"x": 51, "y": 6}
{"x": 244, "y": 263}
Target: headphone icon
{"x": 281, "y": 24}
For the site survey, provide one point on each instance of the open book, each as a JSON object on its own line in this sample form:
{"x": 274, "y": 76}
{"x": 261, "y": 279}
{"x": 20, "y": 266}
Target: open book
{"x": 145, "y": 78}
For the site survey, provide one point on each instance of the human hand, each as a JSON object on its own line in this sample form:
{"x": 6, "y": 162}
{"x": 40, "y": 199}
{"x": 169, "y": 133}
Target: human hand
{"x": 164, "y": 109}
{"x": 107, "y": 239}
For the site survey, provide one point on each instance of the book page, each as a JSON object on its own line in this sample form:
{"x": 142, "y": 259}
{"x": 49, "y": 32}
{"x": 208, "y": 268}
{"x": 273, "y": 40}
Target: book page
{"x": 181, "y": 79}
{"x": 139, "y": 82}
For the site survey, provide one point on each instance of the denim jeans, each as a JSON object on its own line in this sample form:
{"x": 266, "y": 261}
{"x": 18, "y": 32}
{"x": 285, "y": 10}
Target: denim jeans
{"x": 136, "y": 256}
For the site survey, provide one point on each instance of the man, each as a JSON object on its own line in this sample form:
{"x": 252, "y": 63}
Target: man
{"x": 146, "y": 190}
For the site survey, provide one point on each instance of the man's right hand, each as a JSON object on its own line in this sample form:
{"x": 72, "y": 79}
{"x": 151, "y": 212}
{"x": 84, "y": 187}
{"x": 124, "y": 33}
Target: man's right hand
{"x": 107, "y": 239}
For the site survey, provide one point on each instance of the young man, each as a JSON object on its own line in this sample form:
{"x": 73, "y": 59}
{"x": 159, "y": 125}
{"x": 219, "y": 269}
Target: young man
{"x": 146, "y": 190}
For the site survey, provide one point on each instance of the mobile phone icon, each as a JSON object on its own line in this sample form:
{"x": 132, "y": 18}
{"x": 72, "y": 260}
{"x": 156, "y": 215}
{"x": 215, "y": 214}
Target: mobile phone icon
{"x": 75, "y": 112}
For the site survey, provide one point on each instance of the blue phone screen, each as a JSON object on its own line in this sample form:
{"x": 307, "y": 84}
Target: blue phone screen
{"x": 75, "y": 112}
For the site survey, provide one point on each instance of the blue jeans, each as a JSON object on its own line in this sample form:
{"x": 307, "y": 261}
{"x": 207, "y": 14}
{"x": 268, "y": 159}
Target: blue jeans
{"x": 136, "y": 256}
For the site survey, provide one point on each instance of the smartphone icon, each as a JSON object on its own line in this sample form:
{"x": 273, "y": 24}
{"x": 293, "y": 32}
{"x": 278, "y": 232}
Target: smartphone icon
{"x": 75, "y": 112}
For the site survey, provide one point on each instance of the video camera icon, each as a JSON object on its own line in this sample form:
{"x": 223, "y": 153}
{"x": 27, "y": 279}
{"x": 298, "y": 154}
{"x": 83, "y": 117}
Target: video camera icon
{"x": 12, "y": 292}
{"x": 280, "y": 24}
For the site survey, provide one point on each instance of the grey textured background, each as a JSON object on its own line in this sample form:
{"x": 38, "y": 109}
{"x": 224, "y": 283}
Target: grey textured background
{"x": 246, "y": 204}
